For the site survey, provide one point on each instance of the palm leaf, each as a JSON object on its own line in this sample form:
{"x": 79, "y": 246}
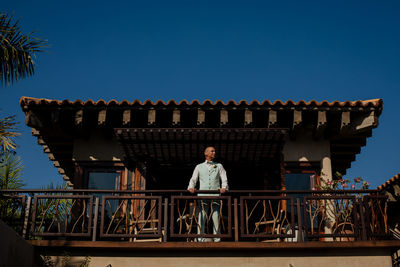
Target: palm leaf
{"x": 8, "y": 130}
{"x": 17, "y": 50}
{"x": 10, "y": 171}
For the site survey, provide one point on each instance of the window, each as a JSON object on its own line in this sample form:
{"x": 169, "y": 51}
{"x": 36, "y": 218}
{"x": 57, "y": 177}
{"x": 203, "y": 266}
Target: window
{"x": 104, "y": 180}
{"x": 299, "y": 181}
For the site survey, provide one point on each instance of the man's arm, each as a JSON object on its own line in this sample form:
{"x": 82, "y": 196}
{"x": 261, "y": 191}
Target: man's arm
{"x": 224, "y": 179}
{"x": 193, "y": 180}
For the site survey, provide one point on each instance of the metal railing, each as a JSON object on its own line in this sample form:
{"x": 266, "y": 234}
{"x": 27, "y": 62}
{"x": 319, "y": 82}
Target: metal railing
{"x": 177, "y": 215}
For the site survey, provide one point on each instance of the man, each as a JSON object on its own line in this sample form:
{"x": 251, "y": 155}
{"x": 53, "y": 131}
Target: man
{"x": 212, "y": 176}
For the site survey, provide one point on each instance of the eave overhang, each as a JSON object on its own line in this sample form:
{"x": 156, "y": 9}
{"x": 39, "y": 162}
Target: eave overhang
{"x": 57, "y": 123}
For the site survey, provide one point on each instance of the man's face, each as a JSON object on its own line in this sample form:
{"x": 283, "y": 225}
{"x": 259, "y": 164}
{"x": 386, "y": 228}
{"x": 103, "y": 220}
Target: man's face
{"x": 210, "y": 153}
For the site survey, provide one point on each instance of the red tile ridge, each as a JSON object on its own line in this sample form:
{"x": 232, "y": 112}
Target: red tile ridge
{"x": 389, "y": 182}
{"x": 27, "y": 101}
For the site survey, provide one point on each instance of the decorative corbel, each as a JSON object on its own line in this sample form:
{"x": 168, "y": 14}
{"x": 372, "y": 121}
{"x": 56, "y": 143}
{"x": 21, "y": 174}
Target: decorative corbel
{"x": 272, "y": 119}
{"x": 201, "y": 117}
{"x": 126, "y": 117}
{"x": 223, "y": 121}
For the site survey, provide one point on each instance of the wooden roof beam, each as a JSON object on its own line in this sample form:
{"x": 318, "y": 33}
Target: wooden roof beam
{"x": 248, "y": 117}
{"x": 54, "y": 142}
{"x": 345, "y": 121}
{"x": 353, "y": 149}
{"x": 321, "y": 125}
{"x": 201, "y": 117}
{"x": 60, "y": 157}
{"x": 126, "y": 117}
{"x": 345, "y": 153}
{"x": 365, "y": 122}
{"x": 56, "y": 164}
{"x": 79, "y": 117}
{"x": 36, "y": 132}
{"x": 223, "y": 118}
{"x": 151, "y": 117}
{"x": 343, "y": 158}
{"x": 346, "y": 143}
{"x": 176, "y": 117}
{"x": 297, "y": 119}
{"x": 101, "y": 117}
{"x": 297, "y": 122}
{"x": 35, "y": 119}
{"x": 272, "y": 119}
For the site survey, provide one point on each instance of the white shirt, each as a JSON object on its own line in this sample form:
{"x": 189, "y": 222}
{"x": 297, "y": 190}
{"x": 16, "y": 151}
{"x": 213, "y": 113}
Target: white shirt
{"x": 221, "y": 171}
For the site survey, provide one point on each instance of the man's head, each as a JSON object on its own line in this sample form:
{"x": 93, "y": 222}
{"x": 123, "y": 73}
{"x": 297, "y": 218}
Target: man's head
{"x": 209, "y": 153}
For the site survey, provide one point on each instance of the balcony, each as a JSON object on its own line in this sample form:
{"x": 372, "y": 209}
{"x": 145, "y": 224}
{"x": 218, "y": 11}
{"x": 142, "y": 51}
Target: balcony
{"x": 205, "y": 219}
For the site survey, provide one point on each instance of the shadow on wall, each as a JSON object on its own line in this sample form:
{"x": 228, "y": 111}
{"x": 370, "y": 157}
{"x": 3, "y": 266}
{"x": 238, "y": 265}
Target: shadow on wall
{"x": 15, "y": 251}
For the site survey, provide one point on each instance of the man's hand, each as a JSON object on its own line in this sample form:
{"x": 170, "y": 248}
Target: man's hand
{"x": 222, "y": 190}
{"x": 191, "y": 190}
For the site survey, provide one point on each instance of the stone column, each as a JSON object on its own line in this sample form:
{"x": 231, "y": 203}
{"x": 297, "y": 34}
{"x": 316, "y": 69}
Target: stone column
{"x": 326, "y": 168}
{"x": 326, "y": 173}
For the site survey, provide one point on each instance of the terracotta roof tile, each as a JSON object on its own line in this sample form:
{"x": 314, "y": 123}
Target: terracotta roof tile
{"x": 390, "y": 182}
{"x": 30, "y": 101}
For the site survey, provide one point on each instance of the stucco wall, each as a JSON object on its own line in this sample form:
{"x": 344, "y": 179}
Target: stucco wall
{"x": 284, "y": 259}
{"x": 305, "y": 148}
{"x": 97, "y": 147}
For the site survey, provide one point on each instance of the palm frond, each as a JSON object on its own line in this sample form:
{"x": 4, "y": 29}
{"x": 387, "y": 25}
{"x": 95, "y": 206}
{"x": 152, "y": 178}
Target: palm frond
{"x": 10, "y": 171}
{"x": 17, "y": 50}
{"x": 8, "y": 130}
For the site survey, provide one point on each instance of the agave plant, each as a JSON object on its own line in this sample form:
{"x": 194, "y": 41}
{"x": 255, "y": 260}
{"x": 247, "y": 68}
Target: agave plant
{"x": 17, "y": 50}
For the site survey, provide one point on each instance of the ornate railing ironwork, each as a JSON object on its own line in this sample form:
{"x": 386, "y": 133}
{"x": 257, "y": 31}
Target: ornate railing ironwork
{"x": 197, "y": 218}
{"x": 374, "y": 207}
{"x": 62, "y": 215}
{"x": 334, "y": 217}
{"x": 269, "y": 217}
{"x": 131, "y": 217}
{"x": 177, "y": 215}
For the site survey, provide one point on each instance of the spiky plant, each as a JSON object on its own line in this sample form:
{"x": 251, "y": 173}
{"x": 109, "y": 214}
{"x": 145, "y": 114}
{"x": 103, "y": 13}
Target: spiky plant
{"x": 17, "y": 50}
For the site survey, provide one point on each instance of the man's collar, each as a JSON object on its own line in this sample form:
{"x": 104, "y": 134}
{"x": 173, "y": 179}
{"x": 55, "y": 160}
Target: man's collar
{"x": 209, "y": 162}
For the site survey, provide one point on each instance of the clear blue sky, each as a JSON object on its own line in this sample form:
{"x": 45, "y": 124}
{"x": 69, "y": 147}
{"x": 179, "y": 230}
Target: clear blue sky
{"x": 333, "y": 50}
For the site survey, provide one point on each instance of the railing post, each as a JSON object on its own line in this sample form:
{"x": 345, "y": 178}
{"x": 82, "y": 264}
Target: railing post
{"x": 26, "y": 217}
{"x": 165, "y": 220}
{"x": 299, "y": 222}
{"x": 96, "y": 215}
{"x": 235, "y": 214}
{"x": 362, "y": 218}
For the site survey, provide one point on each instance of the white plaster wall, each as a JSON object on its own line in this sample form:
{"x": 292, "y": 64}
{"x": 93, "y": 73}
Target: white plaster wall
{"x": 97, "y": 147}
{"x": 313, "y": 261}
